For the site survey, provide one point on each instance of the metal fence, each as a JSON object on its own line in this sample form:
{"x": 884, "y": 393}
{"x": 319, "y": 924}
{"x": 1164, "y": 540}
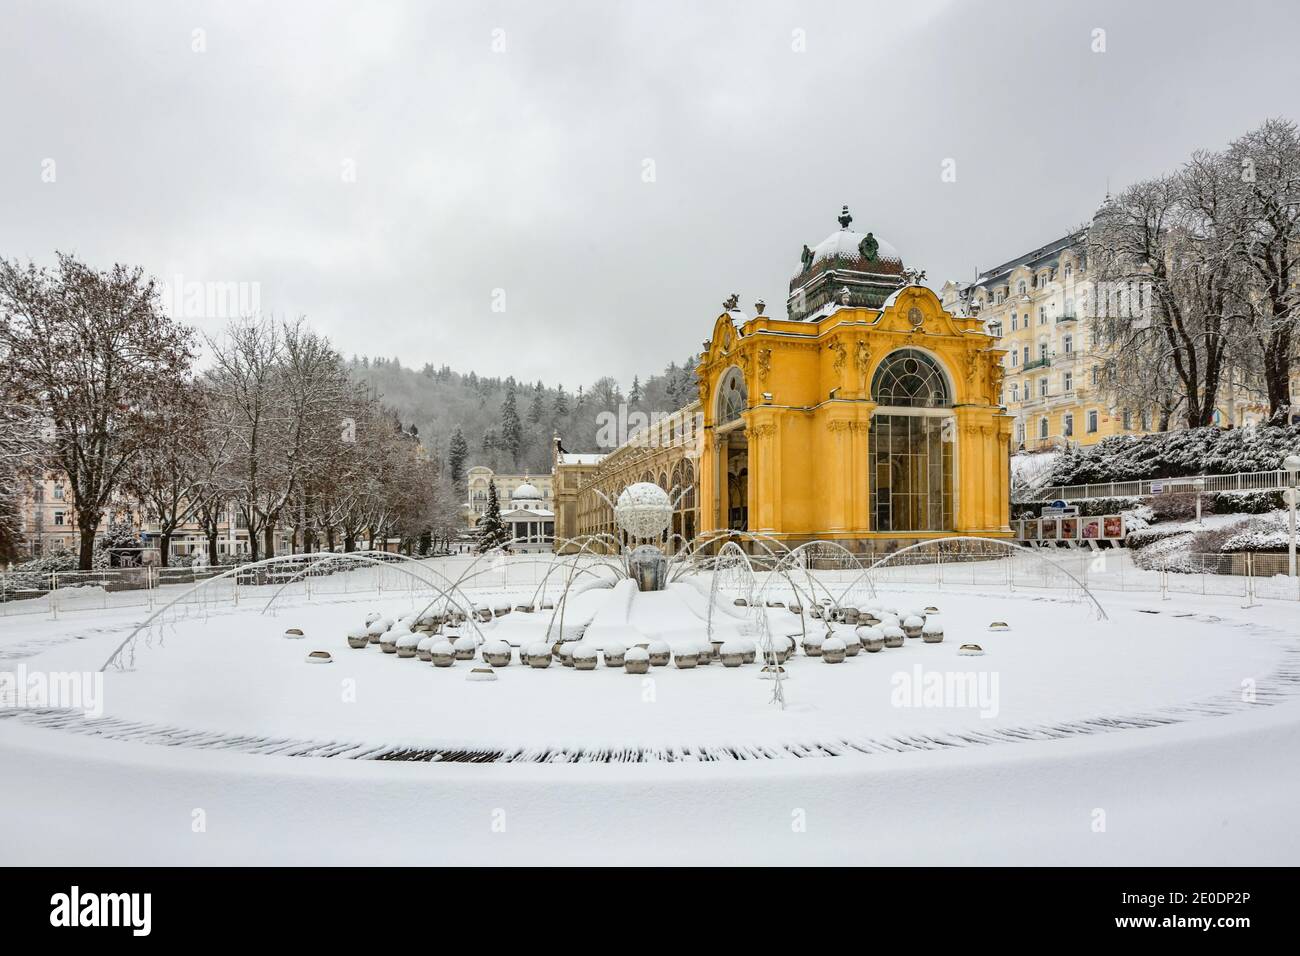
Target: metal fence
{"x": 55, "y": 593}
{"x": 1241, "y": 481}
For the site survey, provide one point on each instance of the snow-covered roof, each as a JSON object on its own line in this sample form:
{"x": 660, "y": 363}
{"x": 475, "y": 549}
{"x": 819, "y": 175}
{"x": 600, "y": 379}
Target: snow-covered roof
{"x": 844, "y": 242}
{"x": 526, "y": 514}
{"x": 526, "y": 492}
{"x": 570, "y": 458}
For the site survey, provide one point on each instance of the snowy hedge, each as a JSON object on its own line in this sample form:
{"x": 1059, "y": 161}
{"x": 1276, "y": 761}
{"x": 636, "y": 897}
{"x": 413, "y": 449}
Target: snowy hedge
{"x": 1177, "y": 454}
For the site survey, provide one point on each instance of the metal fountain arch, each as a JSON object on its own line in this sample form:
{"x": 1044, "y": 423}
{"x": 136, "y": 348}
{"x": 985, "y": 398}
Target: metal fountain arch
{"x": 114, "y": 658}
{"x": 1011, "y": 547}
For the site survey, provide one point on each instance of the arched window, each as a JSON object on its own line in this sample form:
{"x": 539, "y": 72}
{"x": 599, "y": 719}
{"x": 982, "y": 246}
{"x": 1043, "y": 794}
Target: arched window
{"x": 909, "y": 378}
{"x": 733, "y": 397}
{"x": 911, "y": 445}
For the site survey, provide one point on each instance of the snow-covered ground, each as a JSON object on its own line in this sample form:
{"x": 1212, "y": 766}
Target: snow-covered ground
{"x": 1042, "y": 768}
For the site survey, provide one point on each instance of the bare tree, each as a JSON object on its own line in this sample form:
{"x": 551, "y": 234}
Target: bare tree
{"x": 167, "y": 478}
{"x": 1166, "y": 283}
{"x": 248, "y": 386}
{"x": 95, "y": 350}
{"x": 1266, "y": 167}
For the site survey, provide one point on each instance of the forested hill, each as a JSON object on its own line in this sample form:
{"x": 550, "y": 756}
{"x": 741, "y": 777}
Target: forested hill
{"x": 437, "y": 400}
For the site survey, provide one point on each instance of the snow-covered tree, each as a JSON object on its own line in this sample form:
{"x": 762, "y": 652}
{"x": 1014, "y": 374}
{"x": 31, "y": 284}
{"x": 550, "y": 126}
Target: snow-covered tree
{"x": 457, "y": 452}
{"x": 1266, "y": 165}
{"x": 512, "y": 432}
{"x": 95, "y": 351}
{"x": 492, "y": 531}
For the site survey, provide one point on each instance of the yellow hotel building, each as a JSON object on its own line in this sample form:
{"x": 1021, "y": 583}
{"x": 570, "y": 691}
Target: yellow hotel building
{"x": 868, "y": 415}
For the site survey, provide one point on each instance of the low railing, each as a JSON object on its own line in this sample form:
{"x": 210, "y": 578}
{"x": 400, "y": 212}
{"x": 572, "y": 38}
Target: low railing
{"x": 1241, "y": 481}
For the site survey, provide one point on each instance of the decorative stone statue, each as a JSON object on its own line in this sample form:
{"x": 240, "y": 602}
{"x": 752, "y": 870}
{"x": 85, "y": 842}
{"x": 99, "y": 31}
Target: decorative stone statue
{"x": 806, "y": 257}
{"x": 733, "y": 302}
{"x": 869, "y": 247}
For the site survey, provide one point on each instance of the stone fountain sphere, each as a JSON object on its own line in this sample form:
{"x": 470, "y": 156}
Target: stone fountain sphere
{"x": 643, "y": 510}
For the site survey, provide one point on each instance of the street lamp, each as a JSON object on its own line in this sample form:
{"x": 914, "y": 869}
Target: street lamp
{"x": 1292, "y": 465}
{"x": 1199, "y": 485}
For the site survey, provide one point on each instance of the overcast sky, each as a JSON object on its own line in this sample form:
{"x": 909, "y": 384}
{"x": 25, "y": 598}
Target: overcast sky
{"x": 384, "y": 168}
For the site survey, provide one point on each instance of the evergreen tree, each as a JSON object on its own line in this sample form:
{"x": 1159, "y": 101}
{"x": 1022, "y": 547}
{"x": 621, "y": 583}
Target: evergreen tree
{"x": 635, "y": 397}
{"x": 512, "y": 431}
{"x": 457, "y": 452}
{"x": 561, "y": 402}
{"x": 491, "y": 529}
{"x": 536, "y": 409}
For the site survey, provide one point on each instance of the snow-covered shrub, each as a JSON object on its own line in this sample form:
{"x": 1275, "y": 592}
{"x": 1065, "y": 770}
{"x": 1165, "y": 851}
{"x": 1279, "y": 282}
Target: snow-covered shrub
{"x": 1176, "y": 454}
{"x": 1178, "y": 505}
{"x": 1143, "y": 537}
{"x": 1258, "y": 537}
{"x": 1246, "y": 502}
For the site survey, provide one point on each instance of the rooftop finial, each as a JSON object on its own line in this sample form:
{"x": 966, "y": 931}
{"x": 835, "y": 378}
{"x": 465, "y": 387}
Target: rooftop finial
{"x": 845, "y": 218}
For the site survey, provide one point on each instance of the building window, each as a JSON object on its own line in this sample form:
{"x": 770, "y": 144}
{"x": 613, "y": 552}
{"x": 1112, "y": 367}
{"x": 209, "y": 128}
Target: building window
{"x": 1015, "y": 322}
{"x": 1067, "y": 382}
{"x": 908, "y": 378}
{"x": 1020, "y": 287}
{"x": 1042, "y": 387}
{"x": 732, "y": 396}
{"x": 1020, "y": 433}
{"x": 1015, "y": 392}
{"x": 1015, "y": 358}
{"x": 1042, "y": 351}
{"x": 911, "y": 453}
{"x": 1092, "y": 422}
{"x": 1067, "y": 426}
{"x": 58, "y": 517}
{"x": 58, "y": 492}
{"x": 1042, "y": 428}
{"x": 1026, "y": 354}
{"x": 1067, "y": 344}
{"x": 1145, "y": 419}
{"x": 1128, "y": 420}
{"x": 1069, "y": 271}
{"x": 1094, "y": 375}
{"x": 1042, "y": 316}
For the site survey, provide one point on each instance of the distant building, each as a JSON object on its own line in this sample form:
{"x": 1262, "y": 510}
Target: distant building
{"x": 1054, "y": 360}
{"x": 479, "y": 477}
{"x": 529, "y": 523}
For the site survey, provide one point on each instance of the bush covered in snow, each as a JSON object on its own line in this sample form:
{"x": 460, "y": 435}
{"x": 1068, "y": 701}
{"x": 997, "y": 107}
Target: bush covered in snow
{"x": 1177, "y": 454}
{"x": 1258, "y": 536}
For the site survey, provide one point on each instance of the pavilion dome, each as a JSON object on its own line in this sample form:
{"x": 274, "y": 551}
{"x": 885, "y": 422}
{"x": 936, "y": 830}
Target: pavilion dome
{"x": 525, "y": 492}
{"x": 846, "y": 243}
